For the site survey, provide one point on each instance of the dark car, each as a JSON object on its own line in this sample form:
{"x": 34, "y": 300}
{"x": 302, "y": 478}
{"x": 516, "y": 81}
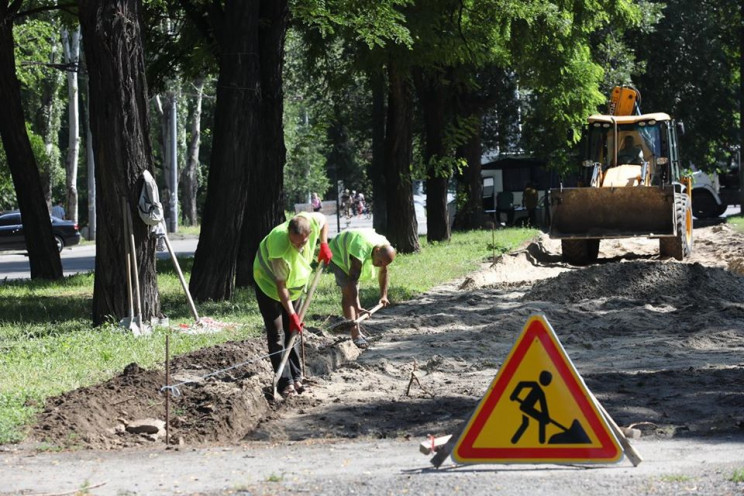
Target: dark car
{"x": 11, "y": 232}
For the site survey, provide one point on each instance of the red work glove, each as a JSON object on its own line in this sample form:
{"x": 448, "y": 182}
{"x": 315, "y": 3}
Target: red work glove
{"x": 325, "y": 254}
{"x": 294, "y": 323}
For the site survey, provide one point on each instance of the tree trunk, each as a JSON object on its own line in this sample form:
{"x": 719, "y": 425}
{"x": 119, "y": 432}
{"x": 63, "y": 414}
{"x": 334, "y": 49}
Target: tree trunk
{"x": 71, "y": 46}
{"x": 170, "y": 164}
{"x": 432, "y": 97}
{"x": 470, "y": 185}
{"x": 264, "y": 209}
{"x": 90, "y": 163}
{"x": 402, "y": 228}
{"x": 377, "y": 166}
{"x": 120, "y": 125}
{"x": 741, "y": 106}
{"x": 189, "y": 174}
{"x": 43, "y": 256}
{"x": 48, "y": 124}
{"x": 234, "y": 151}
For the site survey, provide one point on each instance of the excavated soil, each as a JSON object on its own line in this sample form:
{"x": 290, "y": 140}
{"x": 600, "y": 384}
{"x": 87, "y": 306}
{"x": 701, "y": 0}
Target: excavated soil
{"x": 659, "y": 342}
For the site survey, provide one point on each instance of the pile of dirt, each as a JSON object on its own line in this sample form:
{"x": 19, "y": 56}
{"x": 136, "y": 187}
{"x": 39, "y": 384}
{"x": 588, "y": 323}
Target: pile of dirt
{"x": 648, "y": 282}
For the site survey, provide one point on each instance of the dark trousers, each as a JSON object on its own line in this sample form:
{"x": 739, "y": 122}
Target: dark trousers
{"x": 276, "y": 322}
{"x": 509, "y": 215}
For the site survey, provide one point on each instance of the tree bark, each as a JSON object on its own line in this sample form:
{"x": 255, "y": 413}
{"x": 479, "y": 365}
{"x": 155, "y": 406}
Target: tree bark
{"x": 741, "y": 106}
{"x": 71, "y": 47}
{"x": 189, "y": 175}
{"x": 432, "y": 98}
{"x": 90, "y": 163}
{"x": 234, "y": 150}
{"x": 48, "y": 124}
{"x": 377, "y": 166}
{"x": 120, "y": 125}
{"x": 170, "y": 163}
{"x": 470, "y": 185}
{"x": 402, "y": 227}
{"x": 266, "y": 188}
{"x": 43, "y": 256}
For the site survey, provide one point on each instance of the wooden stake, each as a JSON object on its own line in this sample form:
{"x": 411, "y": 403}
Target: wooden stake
{"x": 630, "y": 452}
{"x": 168, "y": 392}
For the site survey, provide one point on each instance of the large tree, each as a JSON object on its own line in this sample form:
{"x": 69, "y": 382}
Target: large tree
{"x": 264, "y": 208}
{"x": 402, "y": 228}
{"x": 119, "y": 123}
{"x": 234, "y": 29}
{"x": 696, "y": 76}
{"x": 43, "y": 256}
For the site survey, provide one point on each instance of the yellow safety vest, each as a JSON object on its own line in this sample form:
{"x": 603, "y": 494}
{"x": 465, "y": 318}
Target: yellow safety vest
{"x": 276, "y": 245}
{"x": 358, "y": 243}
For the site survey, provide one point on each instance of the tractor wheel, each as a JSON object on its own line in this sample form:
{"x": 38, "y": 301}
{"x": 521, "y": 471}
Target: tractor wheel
{"x": 679, "y": 246}
{"x": 580, "y": 251}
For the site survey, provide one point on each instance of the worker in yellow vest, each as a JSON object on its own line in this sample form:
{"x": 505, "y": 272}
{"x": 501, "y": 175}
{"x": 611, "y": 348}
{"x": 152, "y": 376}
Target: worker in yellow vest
{"x": 356, "y": 254}
{"x": 281, "y": 270}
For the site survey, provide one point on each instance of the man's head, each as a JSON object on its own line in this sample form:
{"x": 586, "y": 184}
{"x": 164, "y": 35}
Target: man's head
{"x": 628, "y": 142}
{"x": 299, "y": 231}
{"x": 383, "y": 255}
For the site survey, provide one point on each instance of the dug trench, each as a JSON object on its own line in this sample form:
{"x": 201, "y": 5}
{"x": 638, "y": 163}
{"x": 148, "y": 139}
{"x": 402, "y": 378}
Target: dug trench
{"x": 659, "y": 342}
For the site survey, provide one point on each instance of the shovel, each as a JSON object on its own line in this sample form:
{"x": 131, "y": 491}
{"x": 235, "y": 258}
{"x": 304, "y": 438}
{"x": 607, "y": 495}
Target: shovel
{"x": 348, "y": 324}
{"x": 128, "y": 322}
{"x": 303, "y": 308}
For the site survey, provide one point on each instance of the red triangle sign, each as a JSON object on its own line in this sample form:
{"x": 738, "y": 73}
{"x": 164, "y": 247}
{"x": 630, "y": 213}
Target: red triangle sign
{"x": 537, "y": 410}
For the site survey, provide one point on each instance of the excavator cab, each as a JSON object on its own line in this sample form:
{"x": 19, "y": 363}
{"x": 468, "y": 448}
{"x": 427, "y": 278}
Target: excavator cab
{"x": 644, "y": 147}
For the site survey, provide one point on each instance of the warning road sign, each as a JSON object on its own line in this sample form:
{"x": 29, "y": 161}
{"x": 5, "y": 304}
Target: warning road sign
{"x": 537, "y": 409}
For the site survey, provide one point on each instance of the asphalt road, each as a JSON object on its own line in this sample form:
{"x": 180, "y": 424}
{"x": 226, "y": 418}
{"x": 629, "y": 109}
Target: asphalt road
{"x": 365, "y": 467}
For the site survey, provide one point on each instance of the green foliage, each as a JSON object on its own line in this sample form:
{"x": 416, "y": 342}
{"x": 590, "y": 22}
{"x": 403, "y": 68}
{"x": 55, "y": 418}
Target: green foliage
{"x": 49, "y": 160}
{"x": 371, "y": 23}
{"x": 32, "y": 48}
{"x": 47, "y": 345}
{"x": 7, "y": 190}
{"x": 305, "y": 129}
{"x": 692, "y": 72}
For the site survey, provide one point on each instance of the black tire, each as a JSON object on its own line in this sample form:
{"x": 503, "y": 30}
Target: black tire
{"x": 679, "y": 246}
{"x": 580, "y": 251}
{"x": 60, "y": 242}
{"x": 704, "y": 205}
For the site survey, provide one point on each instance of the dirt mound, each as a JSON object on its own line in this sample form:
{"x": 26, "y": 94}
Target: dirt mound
{"x": 644, "y": 281}
{"x": 221, "y": 394}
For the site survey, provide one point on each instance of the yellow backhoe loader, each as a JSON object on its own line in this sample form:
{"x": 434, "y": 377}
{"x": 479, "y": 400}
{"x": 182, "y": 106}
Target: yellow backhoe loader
{"x": 631, "y": 185}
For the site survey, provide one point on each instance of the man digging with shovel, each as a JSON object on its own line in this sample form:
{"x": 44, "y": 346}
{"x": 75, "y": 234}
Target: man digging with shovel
{"x": 281, "y": 270}
{"x": 356, "y": 253}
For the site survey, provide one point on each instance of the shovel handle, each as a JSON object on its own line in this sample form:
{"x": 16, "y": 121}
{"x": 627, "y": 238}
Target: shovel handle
{"x": 303, "y": 308}
{"x": 369, "y": 314}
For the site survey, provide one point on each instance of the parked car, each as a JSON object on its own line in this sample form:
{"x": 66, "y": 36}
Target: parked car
{"x": 11, "y": 232}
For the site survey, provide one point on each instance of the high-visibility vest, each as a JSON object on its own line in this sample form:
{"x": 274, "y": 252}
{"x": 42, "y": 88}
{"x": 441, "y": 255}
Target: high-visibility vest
{"x": 276, "y": 245}
{"x": 358, "y": 243}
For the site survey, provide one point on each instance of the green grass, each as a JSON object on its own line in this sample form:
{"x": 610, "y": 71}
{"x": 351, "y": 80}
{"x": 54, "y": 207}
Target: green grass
{"x": 676, "y": 478}
{"x": 48, "y": 345}
{"x": 737, "y": 476}
{"x": 736, "y": 222}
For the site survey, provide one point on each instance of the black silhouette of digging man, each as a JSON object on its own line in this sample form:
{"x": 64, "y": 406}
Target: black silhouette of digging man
{"x": 535, "y": 406}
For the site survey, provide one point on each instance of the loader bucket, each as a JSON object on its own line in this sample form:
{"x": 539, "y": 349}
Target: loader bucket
{"x": 612, "y": 212}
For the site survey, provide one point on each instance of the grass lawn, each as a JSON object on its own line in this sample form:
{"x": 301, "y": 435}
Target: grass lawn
{"x": 48, "y": 345}
{"x": 736, "y": 222}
